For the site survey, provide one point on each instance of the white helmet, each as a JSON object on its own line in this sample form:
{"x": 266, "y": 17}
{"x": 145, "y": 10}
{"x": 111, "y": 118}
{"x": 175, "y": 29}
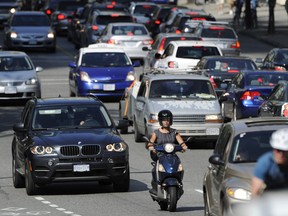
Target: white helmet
{"x": 279, "y": 139}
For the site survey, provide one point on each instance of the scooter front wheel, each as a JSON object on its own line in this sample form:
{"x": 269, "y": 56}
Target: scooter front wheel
{"x": 172, "y": 199}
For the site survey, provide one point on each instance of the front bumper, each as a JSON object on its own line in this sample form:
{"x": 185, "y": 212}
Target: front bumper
{"x": 19, "y": 92}
{"x": 28, "y": 43}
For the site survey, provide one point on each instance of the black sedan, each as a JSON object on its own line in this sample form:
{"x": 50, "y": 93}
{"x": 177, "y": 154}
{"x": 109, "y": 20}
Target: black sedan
{"x": 68, "y": 140}
{"x": 276, "y": 59}
{"x": 277, "y": 102}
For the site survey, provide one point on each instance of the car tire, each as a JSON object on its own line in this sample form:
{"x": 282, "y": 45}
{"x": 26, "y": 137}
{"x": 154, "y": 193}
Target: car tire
{"x": 31, "y": 188}
{"x": 122, "y": 185}
{"x": 223, "y": 208}
{"x": 137, "y": 135}
{"x": 18, "y": 179}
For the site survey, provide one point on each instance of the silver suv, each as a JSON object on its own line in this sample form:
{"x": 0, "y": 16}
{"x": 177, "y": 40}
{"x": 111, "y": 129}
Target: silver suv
{"x": 190, "y": 97}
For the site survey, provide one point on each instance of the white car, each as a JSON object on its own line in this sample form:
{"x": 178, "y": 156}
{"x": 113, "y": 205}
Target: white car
{"x": 185, "y": 54}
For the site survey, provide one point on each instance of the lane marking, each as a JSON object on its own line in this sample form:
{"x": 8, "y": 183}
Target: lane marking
{"x": 199, "y": 191}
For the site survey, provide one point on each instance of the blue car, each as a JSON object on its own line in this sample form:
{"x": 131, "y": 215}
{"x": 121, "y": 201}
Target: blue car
{"x": 101, "y": 70}
{"x": 246, "y": 93}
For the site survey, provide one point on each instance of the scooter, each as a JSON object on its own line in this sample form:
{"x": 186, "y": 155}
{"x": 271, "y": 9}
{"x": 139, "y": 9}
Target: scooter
{"x": 167, "y": 187}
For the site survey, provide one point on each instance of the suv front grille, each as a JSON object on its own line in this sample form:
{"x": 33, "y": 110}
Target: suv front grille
{"x": 189, "y": 118}
{"x": 77, "y": 150}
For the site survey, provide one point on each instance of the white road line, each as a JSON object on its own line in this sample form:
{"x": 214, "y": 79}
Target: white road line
{"x": 39, "y": 198}
{"x": 61, "y": 209}
{"x": 46, "y": 202}
{"x": 54, "y": 206}
{"x": 199, "y": 191}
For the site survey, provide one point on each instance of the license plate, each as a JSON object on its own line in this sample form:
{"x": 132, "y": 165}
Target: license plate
{"x": 32, "y": 42}
{"x": 109, "y": 87}
{"x": 212, "y": 131}
{"x": 132, "y": 44}
{"x": 81, "y": 168}
{"x": 10, "y": 90}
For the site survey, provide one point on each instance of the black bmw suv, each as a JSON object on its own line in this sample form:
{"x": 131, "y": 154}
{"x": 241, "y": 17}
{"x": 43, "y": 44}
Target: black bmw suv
{"x": 68, "y": 139}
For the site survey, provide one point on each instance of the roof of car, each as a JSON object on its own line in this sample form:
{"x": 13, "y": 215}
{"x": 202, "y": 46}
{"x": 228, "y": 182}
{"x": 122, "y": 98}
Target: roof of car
{"x": 67, "y": 101}
{"x": 253, "y": 124}
{"x": 101, "y": 47}
{"x": 12, "y": 53}
{"x": 175, "y": 75}
{"x": 191, "y": 43}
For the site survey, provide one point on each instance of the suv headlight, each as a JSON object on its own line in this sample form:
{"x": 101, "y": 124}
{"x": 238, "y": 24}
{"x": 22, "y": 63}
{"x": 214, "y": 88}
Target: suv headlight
{"x": 13, "y": 35}
{"x": 117, "y": 147}
{"x": 214, "y": 118}
{"x": 50, "y": 35}
{"x": 42, "y": 150}
{"x": 31, "y": 81}
{"x": 153, "y": 118}
{"x": 239, "y": 193}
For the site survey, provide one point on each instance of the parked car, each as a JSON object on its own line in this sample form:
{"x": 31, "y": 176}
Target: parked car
{"x": 102, "y": 70}
{"x": 98, "y": 21}
{"x": 60, "y": 148}
{"x": 196, "y": 112}
{"x": 276, "y": 59}
{"x": 18, "y": 75}
{"x": 222, "y": 69}
{"x": 185, "y": 54}
{"x": 62, "y": 15}
{"x": 277, "y": 102}
{"x": 227, "y": 181}
{"x": 159, "y": 44}
{"x": 142, "y": 11}
{"x": 29, "y": 29}
{"x": 247, "y": 91}
{"x": 131, "y": 37}
{"x": 222, "y": 34}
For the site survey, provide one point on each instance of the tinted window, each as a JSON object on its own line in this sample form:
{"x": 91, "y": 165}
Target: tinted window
{"x": 218, "y": 33}
{"x": 282, "y": 56}
{"x": 30, "y": 20}
{"x": 197, "y": 89}
{"x": 15, "y": 64}
{"x": 144, "y": 9}
{"x": 105, "y": 60}
{"x": 129, "y": 30}
{"x": 263, "y": 79}
{"x": 105, "y": 20}
{"x": 196, "y": 52}
{"x": 229, "y": 65}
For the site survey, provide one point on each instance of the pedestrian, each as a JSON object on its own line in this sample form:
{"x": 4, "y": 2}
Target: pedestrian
{"x": 238, "y": 11}
{"x": 271, "y": 170}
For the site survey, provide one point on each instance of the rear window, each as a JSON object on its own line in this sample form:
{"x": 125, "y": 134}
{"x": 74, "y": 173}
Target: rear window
{"x": 218, "y": 33}
{"x": 192, "y": 89}
{"x": 129, "y": 30}
{"x": 106, "y": 19}
{"x": 30, "y": 20}
{"x": 196, "y": 52}
{"x": 268, "y": 79}
{"x": 144, "y": 9}
{"x": 230, "y": 65}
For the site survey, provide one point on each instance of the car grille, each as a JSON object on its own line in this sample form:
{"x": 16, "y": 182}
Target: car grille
{"x": 11, "y": 83}
{"x": 189, "y": 118}
{"x": 80, "y": 150}
{"x": 32, "y": 37}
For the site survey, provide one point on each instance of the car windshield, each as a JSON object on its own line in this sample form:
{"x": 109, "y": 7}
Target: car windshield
{"x": 249, "y": 146}
{"x": 129, "y": 30}
{"x": 65, "y": 117}
{"x": 196, "y": 52}
{"x": 144, "y": 9}
{"x": 105, "y": 60}
{"x": 265, "y": 79}
{"x": 30, "y": 20}
{"x": 9, "y": 63}
{"x": 192, "y": 89}
{"x": 229, "y": 65}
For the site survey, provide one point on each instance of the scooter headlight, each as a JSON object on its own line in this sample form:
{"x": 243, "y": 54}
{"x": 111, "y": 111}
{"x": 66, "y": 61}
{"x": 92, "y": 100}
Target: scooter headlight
{"x": 161, "y": 168}
{"x": 169, "y": 148}
{"x": 180, "y": 168}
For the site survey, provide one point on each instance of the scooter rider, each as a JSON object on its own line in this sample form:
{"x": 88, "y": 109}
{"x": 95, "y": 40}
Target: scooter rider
{"x": 165, "y": 134}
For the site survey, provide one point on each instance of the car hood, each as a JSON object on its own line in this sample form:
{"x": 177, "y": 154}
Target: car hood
{"x": 32, "y": 30}
{"x": 108, "y": 73}
{"x": 180, "y": 107}
{"x": 17, "y": 75}
{"x": 76, "y": 137}
{"x": 241, "y": 170}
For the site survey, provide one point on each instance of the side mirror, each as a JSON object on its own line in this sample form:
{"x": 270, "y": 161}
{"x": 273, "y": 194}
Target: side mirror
{"x": 72, "y": 65}
{"x": 157, "y": 56}
{"x": 19, "y": 127}
{"x": 136, "y": 64}
{"x": 216, "y": 160}
{"x": 38, "y": 69}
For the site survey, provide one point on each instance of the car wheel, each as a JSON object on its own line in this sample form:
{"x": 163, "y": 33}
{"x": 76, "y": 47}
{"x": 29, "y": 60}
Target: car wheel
{"x": 31, "y": 188}
{"x": 163, "y": 205}
{"x": 137, "y": 135}
{"x": 122, "y": 185}
{"x": 18, "y": 180}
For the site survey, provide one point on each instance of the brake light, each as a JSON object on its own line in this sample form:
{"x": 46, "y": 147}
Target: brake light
{"x": 216, "y": 28}
{"x": 161, "y": 47}
{"x": 174, "y": 8}
{"x": 48, "y": 12}
{"x": 147, "y": 42}
{"x": 236, "y": 45}
{"x": 178, "y": 31}
{"x": 61, "y": 17}
{"x": 279, "y": 68}
{"x": 233, "y": 71}
{"x": 148, "y": 22}
{"x": 213, "y": 82}
{"x": 113, "y": 3}
{"x": 198, "y": 18}
{"x": 110, "y": 41}
{"x": 191, "y": 13}
{"x": 114, "y": 15}
{"x": 157, "y": 22}
{"x": 94, "y": 27}
{"x": 183, "y": 38}
{"x": 249, "y": 95}
{"x": 109, "y": 6}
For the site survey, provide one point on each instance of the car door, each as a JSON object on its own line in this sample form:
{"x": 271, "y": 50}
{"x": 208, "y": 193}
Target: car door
{"x": 216, "y": 173}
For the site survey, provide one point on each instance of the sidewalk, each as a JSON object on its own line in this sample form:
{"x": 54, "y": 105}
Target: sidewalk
{"x": 278, "y": 39}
